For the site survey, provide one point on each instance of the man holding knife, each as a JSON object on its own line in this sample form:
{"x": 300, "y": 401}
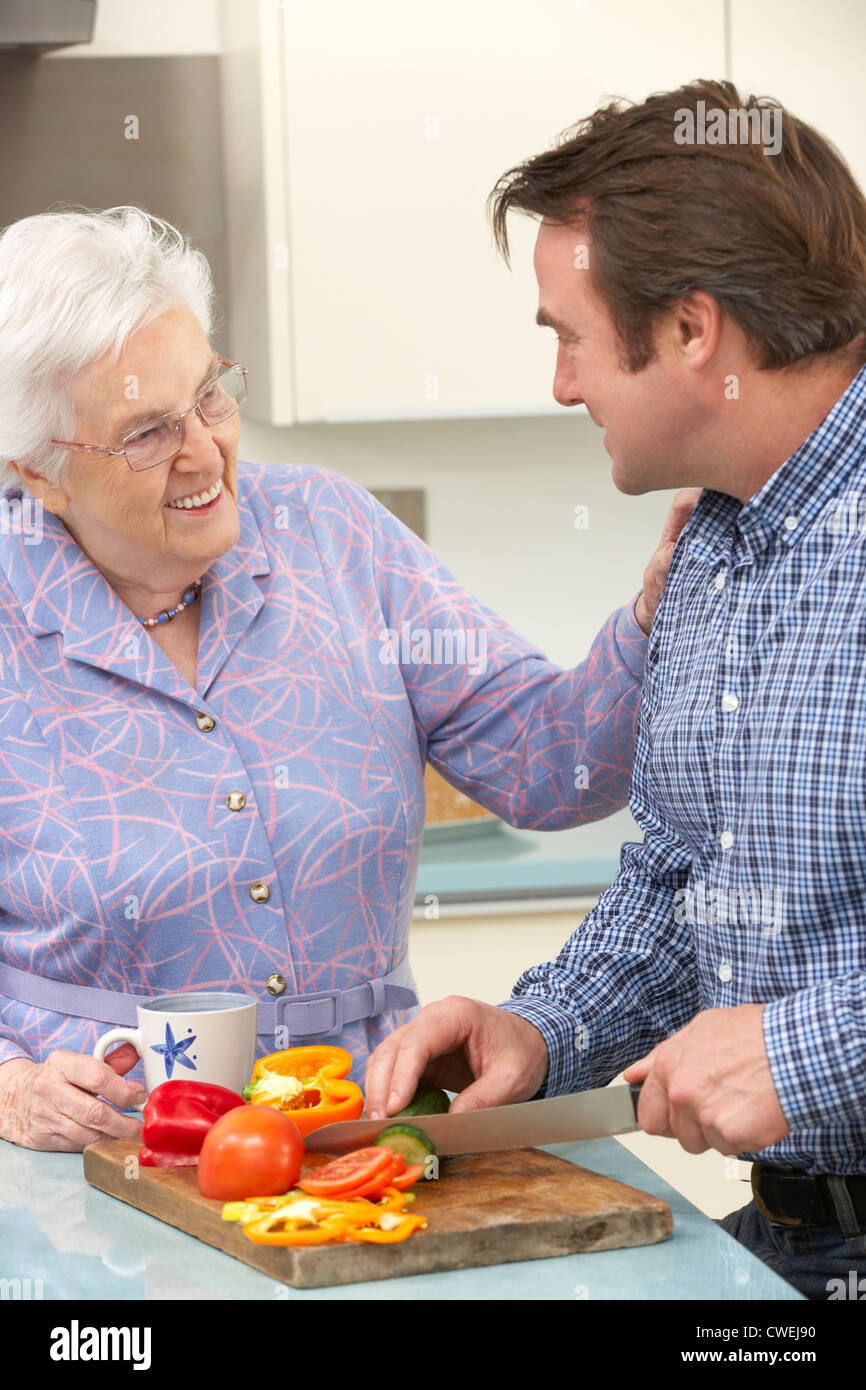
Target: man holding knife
{"x": 710, "y": 306}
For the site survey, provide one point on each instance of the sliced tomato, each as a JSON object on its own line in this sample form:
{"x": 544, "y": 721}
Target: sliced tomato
{"x": 376, "y": 1186}
{"x": 408, "y": 1177}
{"x": 348, "y": 1172}
{"x": 372, "y": 1189}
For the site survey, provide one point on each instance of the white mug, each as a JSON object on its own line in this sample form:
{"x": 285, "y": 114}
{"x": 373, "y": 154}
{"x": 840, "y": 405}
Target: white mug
{"x": 192, "y": 1036}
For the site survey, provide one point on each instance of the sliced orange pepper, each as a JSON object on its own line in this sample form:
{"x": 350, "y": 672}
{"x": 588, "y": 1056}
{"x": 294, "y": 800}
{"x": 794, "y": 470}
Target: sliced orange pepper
{"x": 390, "y": 1200}
{"x": 261, "y": 1232}
{"x": 380, "y": 1237}
{"x": 335, "y": 1221}
{"x": 327, "y": 1097}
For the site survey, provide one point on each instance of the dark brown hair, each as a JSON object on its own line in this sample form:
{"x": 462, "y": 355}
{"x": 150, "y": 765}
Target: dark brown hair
{"x": 779, "y": 240}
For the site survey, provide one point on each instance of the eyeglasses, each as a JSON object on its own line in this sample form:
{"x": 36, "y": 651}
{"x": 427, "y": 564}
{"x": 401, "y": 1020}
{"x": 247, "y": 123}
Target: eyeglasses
{"x": 160, "y": 439}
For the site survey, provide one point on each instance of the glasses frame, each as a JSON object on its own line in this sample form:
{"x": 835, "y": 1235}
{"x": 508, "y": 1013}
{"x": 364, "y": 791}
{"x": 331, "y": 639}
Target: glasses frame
{"x": 103, "y": 451}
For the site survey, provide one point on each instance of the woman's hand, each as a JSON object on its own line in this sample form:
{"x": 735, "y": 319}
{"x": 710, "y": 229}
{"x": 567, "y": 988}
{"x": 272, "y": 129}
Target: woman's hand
{"x": 656, "y": 572}
{"x": 56, "y": 1104}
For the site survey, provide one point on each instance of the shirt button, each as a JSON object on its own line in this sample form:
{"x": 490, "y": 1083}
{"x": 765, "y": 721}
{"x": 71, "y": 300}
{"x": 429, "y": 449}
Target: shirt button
{"x": 791, "y": 523}
{"x": 725, "y": 973}
{"x": 726, "y": 839}
{"x": 729, "y": 702}
{"x": 205, "y": 723}
{"x": 276, "y": 984}
{"x": 236, "y": 801}
{"x": 259, "y": 892}
{"x": 719, "y": 580}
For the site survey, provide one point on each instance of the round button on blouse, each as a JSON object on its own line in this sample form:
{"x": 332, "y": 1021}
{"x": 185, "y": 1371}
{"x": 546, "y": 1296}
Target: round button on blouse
{"x": 730, "y": 702}
{"x": 726, "y": 839}
{"x": 275, "y": 984}
{"x": 236, "y": 801}
{"x": 726, "y": 974}
{"x": 259, "y": 892}
{"x": 719, "y": 581}
{"x": 205, "y": 723}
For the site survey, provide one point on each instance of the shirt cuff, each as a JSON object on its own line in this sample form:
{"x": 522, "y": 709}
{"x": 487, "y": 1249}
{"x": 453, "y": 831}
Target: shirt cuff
{"x": 566, "y": 1039}
{"x": 631, "y": 640}
{"x": 817, "y": 1072}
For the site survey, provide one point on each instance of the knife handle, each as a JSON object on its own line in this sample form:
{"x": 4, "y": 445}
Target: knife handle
{"x": 635, "y": 1089}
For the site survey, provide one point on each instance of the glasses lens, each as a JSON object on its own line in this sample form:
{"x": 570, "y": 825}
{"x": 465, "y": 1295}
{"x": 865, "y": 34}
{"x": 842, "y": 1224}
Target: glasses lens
{"x": 153, "y": 444}
{"x": 161, "y": 439}
{"x": 222, "y": 397}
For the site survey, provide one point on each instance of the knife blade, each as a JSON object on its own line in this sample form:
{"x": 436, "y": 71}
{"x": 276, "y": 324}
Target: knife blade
{"x": 556, "y": 1120}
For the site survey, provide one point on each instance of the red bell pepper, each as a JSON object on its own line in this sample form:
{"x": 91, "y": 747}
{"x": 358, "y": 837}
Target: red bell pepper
{"x": 177, "y": 1116}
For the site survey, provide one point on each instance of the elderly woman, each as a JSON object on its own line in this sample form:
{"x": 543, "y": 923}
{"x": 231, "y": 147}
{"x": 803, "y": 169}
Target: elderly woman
{"x": 216, "y": 698}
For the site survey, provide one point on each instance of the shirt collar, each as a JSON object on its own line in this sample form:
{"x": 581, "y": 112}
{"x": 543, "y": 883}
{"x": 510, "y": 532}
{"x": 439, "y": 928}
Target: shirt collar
{"x": 810, "y": 480}
{"x": 802, "y": 489}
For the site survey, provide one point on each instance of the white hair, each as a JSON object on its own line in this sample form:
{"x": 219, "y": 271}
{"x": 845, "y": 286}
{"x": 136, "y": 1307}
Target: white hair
{"x": 74, "y": 285}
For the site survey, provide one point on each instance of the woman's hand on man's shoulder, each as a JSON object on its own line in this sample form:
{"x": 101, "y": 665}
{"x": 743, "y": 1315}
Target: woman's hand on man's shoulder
{"x": 656, "y": 573}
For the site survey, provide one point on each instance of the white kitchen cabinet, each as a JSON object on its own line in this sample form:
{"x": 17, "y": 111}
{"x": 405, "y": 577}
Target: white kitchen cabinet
{"x": 811, "y": 58}
{"x": 361, "y": 142}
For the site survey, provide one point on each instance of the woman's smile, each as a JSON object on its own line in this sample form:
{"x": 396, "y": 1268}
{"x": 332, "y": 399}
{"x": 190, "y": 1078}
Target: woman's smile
{"x": 199, "y": 502}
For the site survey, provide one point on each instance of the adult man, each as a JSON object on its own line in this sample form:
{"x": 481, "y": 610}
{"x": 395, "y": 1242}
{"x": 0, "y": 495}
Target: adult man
{"x": 710, "y": 304}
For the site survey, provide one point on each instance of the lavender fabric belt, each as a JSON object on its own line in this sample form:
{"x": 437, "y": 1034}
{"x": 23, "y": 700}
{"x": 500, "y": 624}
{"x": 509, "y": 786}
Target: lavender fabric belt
{"x": 301, "y": 1015}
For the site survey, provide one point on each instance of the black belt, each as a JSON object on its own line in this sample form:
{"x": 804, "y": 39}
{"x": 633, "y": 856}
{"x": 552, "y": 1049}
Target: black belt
{"x": 793, "y": 1198}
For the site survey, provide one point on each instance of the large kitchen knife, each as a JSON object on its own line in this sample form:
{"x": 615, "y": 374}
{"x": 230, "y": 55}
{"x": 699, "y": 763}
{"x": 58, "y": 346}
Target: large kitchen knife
{"x": 558, "y": 1120}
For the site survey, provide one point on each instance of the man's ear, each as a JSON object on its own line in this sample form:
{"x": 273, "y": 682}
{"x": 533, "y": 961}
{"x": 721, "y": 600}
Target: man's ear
{"x": 52, "y": 497}
{"x": 696, "y": 324}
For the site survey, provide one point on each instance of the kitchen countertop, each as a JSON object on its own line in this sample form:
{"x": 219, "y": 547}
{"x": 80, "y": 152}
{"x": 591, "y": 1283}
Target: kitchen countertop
{"x": 82, "y": 1244}
{"x": 491, "y": 860}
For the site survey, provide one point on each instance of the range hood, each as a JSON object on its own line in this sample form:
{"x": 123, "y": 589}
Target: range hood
{"x": 38, "y": 25}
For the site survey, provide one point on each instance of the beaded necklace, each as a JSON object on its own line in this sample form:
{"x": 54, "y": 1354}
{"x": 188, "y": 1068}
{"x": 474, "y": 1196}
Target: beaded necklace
{"x": 165, "y": 616}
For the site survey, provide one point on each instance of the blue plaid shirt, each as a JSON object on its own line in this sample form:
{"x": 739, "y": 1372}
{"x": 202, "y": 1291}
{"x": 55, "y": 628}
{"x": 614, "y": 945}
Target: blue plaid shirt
{"x": 750, "y": 787}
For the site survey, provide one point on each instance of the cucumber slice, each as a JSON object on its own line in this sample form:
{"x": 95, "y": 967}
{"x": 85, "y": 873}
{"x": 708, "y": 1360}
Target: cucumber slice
{"x": 407, "y": 1140}
{"x": 427, "y": 1100}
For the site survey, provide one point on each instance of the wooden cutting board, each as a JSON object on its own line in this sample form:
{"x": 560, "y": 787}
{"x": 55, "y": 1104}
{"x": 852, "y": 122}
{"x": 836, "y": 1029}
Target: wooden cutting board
{"x": 484, "y": 1209}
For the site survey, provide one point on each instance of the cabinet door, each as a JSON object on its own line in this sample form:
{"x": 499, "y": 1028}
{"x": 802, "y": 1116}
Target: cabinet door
{"x": 810, "y": 57}
{"x": 390, "y": 126}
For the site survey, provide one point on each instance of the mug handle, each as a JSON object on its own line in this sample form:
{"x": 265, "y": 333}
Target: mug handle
{"x": 130, "y": 1035}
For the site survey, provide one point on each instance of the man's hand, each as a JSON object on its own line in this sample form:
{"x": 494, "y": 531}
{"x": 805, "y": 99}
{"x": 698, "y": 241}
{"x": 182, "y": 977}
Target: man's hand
{"x": 656, "y": 572}
{"x": 490, "y": 1056}
{"x": 56, "y": 1104}
{"x": 710, "y": 1085}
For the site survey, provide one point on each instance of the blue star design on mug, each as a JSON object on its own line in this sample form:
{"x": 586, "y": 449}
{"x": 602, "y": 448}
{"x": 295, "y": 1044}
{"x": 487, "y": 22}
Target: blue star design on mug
{"x": 174, "y": 1051}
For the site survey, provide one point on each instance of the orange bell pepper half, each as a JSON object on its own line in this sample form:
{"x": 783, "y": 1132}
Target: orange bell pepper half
{"x": 309, "y": 1084}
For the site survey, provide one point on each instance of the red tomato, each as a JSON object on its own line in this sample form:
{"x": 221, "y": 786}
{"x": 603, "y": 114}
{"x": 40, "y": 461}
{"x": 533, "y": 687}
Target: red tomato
{"x": 252, "y": 1149}
{"x": 347, "y": 1172}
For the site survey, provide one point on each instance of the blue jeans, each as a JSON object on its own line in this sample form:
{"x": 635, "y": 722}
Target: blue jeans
{"x": 822, "y": 1262}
